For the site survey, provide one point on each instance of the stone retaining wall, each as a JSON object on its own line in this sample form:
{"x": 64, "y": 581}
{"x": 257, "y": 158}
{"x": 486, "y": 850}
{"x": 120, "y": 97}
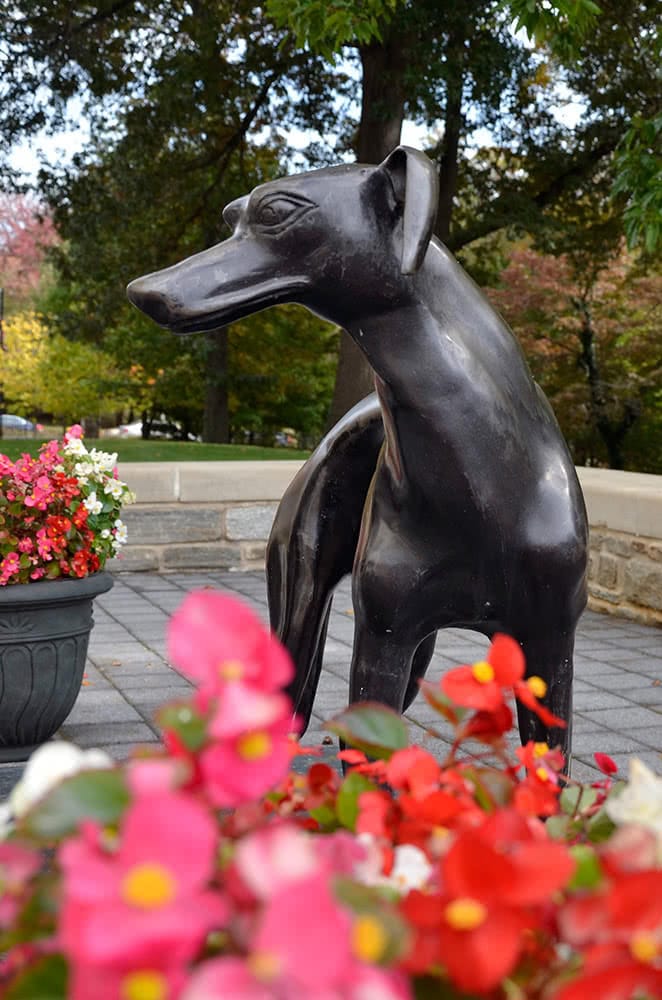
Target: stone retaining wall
{"x": 217, "y": 515}
{"x": 625, "y": 567}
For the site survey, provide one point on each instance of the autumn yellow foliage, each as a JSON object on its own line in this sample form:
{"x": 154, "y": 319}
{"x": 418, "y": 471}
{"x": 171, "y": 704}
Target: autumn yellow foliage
{"x": 45, "y": 373}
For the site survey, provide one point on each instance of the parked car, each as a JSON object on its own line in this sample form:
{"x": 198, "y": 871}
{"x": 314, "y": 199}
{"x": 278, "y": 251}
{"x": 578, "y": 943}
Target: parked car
{"x": 164, "y": 430}
{"x": 286, "y": 438}
{"x": 12, "y": 422}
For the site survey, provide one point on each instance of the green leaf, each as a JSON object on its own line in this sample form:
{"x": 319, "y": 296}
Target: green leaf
{"x": 436, "y": 698}
{"x": 347, "y": 800}
{"x": 576, "y": 798}
{"x": 188, "y": 724}
{"x": 431, "y": 988}
{"x": 588, "y": 872}
{"x": 97, "y": 795}
{"x": 371, "y": 727}
{"x": 46, "y": 980}
{"x": 326, "y": 817}
{"x": 492, "y": 788}
{"x": 559, "y": 827}
{"x": 600, "y": 827}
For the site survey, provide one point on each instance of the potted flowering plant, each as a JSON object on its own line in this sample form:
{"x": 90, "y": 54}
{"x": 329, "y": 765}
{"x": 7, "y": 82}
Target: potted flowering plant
{"x": 59, "y": 523}
{"x": 208, "y": 870}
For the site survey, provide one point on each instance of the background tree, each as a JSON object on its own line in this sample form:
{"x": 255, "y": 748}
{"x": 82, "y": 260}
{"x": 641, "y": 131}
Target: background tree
{"x": 26, "y": 233}
{"x": 591, "y": 335}
{"x": 457, "y": 68}
{"x": 43, "y": 373}
{"x": 172, "y": 91}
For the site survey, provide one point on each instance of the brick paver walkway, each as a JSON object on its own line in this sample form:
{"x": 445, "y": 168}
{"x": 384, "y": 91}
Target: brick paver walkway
{"x": 618, "y": 668}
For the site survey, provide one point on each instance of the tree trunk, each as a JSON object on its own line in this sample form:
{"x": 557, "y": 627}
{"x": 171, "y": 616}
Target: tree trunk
{"x": 216, "y": 422}
{"x": 612, "y": 430}
{"x": 382, "y": 114}
{"x": 450, "y": 144}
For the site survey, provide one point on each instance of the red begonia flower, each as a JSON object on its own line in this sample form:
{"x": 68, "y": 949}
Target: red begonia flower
{"x": 482, "y": 684}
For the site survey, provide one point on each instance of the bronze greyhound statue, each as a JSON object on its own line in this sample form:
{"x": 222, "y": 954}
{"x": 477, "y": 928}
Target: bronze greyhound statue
{"x": 450, "y": 495}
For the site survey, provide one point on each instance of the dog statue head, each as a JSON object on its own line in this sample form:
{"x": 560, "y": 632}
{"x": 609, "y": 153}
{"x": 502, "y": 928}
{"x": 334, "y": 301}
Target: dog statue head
{"x": 341, "y": 240}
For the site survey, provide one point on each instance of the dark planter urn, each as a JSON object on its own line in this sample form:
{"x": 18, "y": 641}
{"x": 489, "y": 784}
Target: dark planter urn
{"x": 44, "y": 633}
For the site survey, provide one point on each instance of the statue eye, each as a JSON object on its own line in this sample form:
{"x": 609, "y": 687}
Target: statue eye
{"x": 277, "y": 211}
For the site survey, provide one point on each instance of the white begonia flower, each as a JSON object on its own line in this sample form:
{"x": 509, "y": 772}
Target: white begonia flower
{"x": 75, "y": 446}
{"x": 121, "y": 533}
{"x": 46, "y": 767}
{"x": 104, "y": 461}
{"x": 105, "y": 532}
{"x": 411, "y": 868}
{"x": 82, "y": 472}
{"x": 93, "y": 505}
{"x": 115, "y": 488}
{"x": 640, "y": 802}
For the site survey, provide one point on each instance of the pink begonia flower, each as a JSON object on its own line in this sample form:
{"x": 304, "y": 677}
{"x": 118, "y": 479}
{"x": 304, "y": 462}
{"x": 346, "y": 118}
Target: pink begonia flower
{"x": 304, "y": 937}
{"x": 251, "y": 750}
{"x": 301, "y": 949}
{"x": 215, "y": 639}
{"x": 278, "y": 855}
{"x": 252, "y": 979}
{"x": 75, "y": 431}
{"x": 154, "y": 981}
{"x": 151, "y": 892}
{"x": 226, "y": 977}
{"x": 275, "y": 857}
{"x": 157, "y": 774}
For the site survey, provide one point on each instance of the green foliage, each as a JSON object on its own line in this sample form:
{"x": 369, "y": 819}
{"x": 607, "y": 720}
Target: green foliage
{"x": 101, "y": 796}
{"x": 327, "y": 27}
{"x": 49, "y": 374}
{"x": 347, "y": 801}
{"x": 638, "y": 164}
{"x": 562, "y": 23}
{"x": 373, "y": 728}
{"x": 46, "y": 979}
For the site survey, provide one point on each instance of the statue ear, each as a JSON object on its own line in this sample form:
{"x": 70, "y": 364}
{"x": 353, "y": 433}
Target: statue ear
{"x": 413, "y": 176}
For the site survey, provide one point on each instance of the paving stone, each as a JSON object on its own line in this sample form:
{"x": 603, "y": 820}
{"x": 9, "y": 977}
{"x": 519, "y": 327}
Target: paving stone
{"x": 590, "y": 700}
{"x": 625, "y": 718}
{"x": 581, "y": 770}
{"x": 651, "y": 758}
{"x": 102, "y": 706}
{"x": 622, "y": 681}
{"x": 9, "y": 775}
{"x": 103, "y": 734}
{"x": 605, "y": 741}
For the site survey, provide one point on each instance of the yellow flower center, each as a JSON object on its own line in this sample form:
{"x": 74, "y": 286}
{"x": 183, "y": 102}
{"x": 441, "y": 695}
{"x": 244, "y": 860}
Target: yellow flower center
{"x": 465, "y": 914}
{"x": 265, "y": 965}
{"x": 148, "y": 886}
{"x": 231, "y": 670}
{"x": 542, "y": 774}
{"x": 254, "y": 746}
{"x": 144, "y": 986}
{"x": 537, "y": 686}
{"x": 483, "y": 672}
{"x": 369, "y": 939}
{"x": 644, "y": 947}
{"x": 540, "y": 749}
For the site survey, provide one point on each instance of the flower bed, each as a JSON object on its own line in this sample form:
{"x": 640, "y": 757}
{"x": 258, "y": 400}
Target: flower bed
{"x": 208, "y": 869}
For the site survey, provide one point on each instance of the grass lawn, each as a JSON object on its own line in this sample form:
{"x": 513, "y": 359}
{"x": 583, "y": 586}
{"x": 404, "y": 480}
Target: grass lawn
{"x": 137, "y": 450}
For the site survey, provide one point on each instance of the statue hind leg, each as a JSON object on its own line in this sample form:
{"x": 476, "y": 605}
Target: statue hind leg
{"x": 313, "y": 541}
